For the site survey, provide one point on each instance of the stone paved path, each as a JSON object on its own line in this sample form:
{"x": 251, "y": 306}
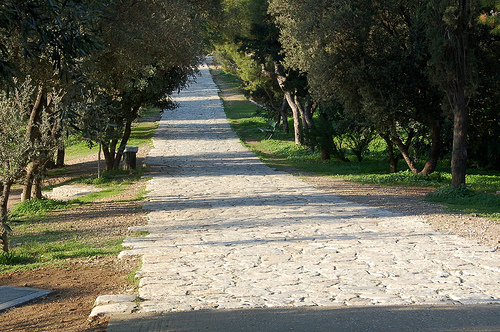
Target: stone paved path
{"x": 226, "y": 231}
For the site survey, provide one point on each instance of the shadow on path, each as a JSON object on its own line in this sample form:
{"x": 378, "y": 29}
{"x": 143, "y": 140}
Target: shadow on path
{"x": 401, "y": 318}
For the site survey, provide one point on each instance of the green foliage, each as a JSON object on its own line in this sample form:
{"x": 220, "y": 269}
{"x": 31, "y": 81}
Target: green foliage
{"x": 14, "y": 257}
{"x": 38, "y": 242}
{"x": 53, "y": 250}
{"x": 33, "y": 207}
{"x": 451, "y": 192}
{"x": 406, "y": 178}
{"x": 112, "y": 177}
{"x": 100, "y": 195}
{"x": 58, "y": 32}
{"x": 141, "y": 136}
{"x": 463, "y": 199}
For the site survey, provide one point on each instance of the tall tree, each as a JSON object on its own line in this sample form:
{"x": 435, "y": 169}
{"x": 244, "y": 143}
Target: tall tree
{"x": 14, "y": 146}
{"x": 257, "y": 45}
{"x": 450, "y": 29}
{"x": 372, "y": 57}
{"x": 152, "y": 48}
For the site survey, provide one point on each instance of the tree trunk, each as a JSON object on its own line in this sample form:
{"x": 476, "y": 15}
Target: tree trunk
{"x": 403, "y": 148}
{"x": 37, "y": 183}
{"x": 33, "y": 132}
{"x": 326, "y": 137}
{"x": 432, "y": 160}
{"x": 4, "y": 235}
{"x": 60, "y": 157}
{"x": 31, "y": 171}
{"x": 307, "y": 121}
{"x": 458, "y": 100}
{"x": 393, "y": 161}
{"x": 123, "y": 144}
{"x": 281, "y": 79}
{"x": 459, "y": 152}
{"x": 108, "y": 157}
{"x": 284, "y": 117}
{"x": 296, "y": 118}
{"x": 32, "y": 128}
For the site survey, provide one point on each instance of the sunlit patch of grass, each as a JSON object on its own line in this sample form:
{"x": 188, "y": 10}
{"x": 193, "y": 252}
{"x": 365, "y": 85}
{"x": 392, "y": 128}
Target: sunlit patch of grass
{"x": 465, "y": 200}
{"x": 111, "y": 178}
{"x": 37, "y": 207}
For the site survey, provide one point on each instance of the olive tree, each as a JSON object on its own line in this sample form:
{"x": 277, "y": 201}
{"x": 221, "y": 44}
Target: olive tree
{"x": 151, "y": 49}
{"x": 14, "y": 145}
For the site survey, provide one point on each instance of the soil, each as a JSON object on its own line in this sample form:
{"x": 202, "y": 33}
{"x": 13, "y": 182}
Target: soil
{"x": 79, "y": 282}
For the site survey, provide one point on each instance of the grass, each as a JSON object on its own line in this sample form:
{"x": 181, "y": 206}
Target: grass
{"x": 36, "y": 247}
{"x": 112, "y": 177}
{"x": 282, "y": 153}
{"x": 37, "y": 240}
{"x": 35, "y": 207}
{"x": 468, "y": 201}
{"x": 133, "y": 278}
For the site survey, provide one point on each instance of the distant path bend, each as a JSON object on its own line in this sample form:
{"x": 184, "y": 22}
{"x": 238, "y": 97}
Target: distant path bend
{"x": 227, "y": 231}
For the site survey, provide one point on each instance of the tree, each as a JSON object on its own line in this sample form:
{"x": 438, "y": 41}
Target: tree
{"x": 450, "y": 30}
{"x": 371, "y": 56}
{"x": 151, "y": 49}
{"x": 14, "y": 146}
{"x": 256, "y": 45}
{"x": 43, "y": 41}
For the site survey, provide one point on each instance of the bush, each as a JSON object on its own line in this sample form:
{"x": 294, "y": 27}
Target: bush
{"x": 463, "y": 199}
{"x": 451, "y": 192}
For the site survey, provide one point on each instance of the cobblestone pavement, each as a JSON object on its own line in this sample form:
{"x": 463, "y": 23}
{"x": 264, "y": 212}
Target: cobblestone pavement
{"x": 226, "y": 231}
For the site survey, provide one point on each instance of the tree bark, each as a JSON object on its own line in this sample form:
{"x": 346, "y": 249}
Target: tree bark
{"x": 406, "y": 156}
{"x": 458, "y": 100}
{"x": 60, "y": 157}
{"x": 326, "y": 138}
{"x": 4, "y": 235}
{"x": 108, "y": 157}
{"x": 31, "y": 170}
{"x": 284, "y": 117}
{"x": 307, "y": 121}
{"x": 123, "y": 144}
{"x": 296, "y": 118}
{"x": 459, "y": 152}
{"x": 393, "y": 161}
{"x": 37, "y": 184}
{"x": 281, "y": 79}
{"x": 432, "y": 160}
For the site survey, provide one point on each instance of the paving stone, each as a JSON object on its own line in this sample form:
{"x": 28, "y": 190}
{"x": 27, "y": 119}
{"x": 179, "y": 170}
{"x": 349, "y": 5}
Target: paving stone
{"x": 108, "y": 309}
{"x": 108, "y": 299}
{"x": 226, "y": 231}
